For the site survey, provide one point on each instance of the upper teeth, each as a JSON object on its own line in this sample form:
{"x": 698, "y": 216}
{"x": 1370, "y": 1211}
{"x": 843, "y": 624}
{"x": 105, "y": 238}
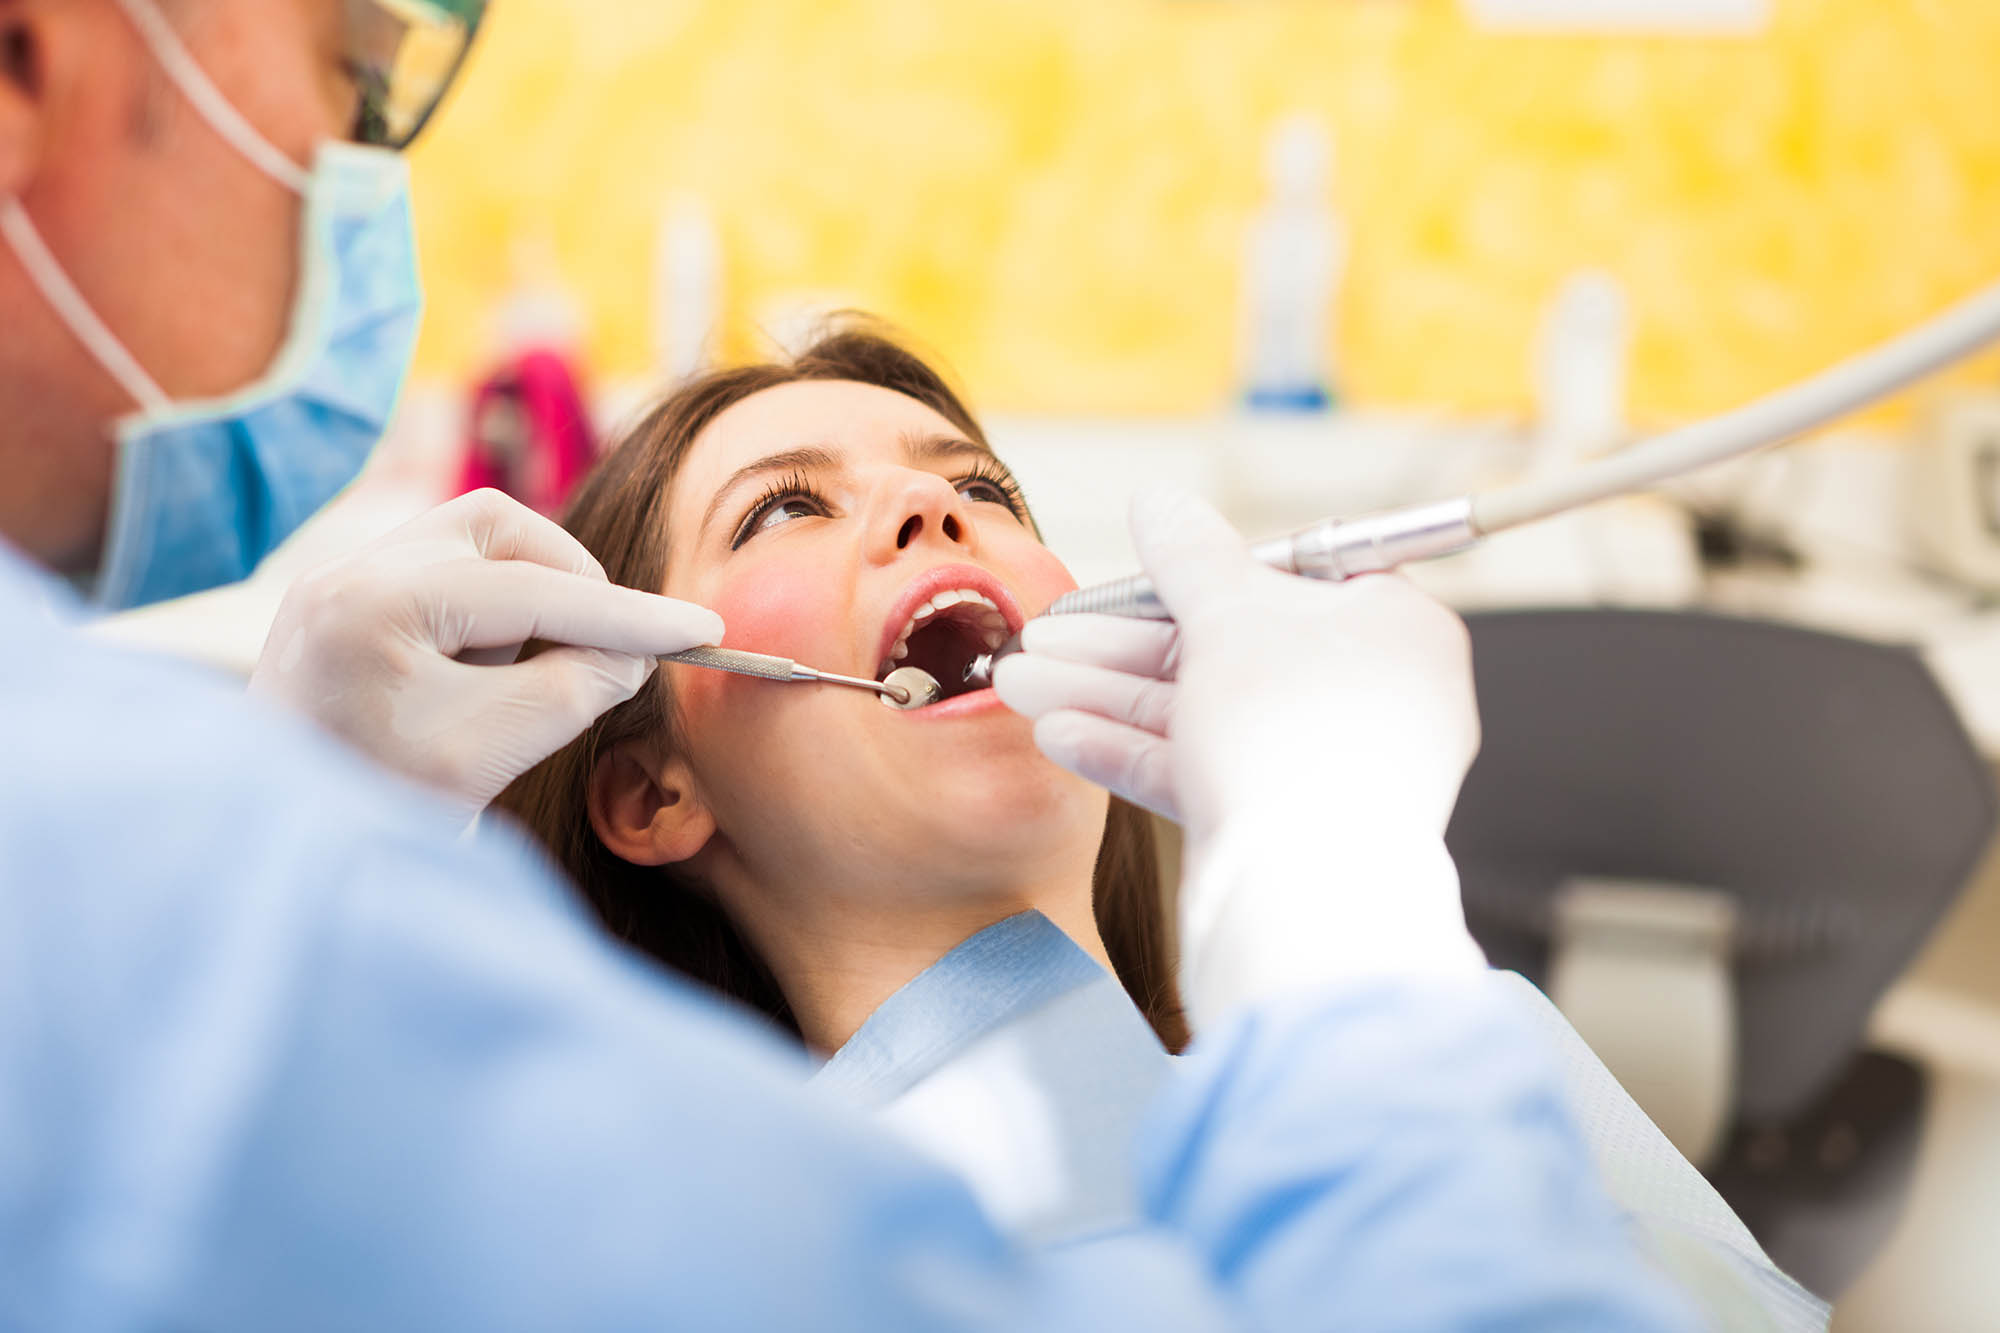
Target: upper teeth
{"x": 986, "y": 618}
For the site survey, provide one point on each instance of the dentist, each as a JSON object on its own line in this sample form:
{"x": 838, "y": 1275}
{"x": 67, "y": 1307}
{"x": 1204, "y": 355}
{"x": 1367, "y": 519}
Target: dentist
{"x": 277, "y": 1050}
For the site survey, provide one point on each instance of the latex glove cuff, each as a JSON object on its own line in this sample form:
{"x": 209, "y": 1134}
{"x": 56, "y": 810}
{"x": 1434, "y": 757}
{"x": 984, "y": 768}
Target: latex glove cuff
{"x": 1261, "y": 920}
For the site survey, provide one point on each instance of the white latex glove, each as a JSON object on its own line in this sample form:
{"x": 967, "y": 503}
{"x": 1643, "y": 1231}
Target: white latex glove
{"x": 407, "y": 649}
{"x": 1312, "y": 737}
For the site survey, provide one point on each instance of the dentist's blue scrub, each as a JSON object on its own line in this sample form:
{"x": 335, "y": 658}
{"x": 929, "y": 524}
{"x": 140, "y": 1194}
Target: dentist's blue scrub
{"x": 277, "y": 1052}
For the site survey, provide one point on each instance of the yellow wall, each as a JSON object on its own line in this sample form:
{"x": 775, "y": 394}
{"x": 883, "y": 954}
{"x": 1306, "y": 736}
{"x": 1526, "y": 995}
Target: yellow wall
{"x": 1052, "y": 192}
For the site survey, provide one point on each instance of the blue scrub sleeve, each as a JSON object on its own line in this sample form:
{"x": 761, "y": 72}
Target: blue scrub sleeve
{"x": 277, "y": 1052}
{"x": 344, "y": 1077}
{"x": 1396, "y": 1158}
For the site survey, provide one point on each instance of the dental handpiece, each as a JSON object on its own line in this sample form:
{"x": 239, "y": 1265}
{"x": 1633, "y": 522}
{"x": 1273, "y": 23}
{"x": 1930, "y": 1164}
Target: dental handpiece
{"x": 1342, "y": 549}
{"x": 1333, "y": 549}
{"x": 903, "y": 689}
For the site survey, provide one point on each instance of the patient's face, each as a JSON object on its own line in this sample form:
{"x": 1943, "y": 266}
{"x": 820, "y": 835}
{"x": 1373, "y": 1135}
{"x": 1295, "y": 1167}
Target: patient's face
{"x": 825, "y": 522}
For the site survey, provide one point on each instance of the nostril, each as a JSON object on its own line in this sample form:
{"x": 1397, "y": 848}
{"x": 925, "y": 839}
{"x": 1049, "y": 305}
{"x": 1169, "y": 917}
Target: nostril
{"x": 951, "y": 527}
{"x": 909, "y": 532}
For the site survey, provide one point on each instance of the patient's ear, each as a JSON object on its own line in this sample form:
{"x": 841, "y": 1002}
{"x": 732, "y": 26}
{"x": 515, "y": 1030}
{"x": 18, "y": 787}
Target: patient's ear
{"x": 645, "y": 809}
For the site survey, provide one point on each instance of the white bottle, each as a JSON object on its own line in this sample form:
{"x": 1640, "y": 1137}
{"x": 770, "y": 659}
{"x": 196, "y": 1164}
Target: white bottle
{"x": 1581, "y": 369}
{"x": 687, "y": 287}
{"x": 1293, "y": 263}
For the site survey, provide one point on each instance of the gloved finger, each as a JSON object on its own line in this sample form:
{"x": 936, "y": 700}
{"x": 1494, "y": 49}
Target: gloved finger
{"x": 550, "y": 699}
{"x": 486, "y": 604}
{"x": 499, "y": 527}
{"x": 1130, "y": 763}
{"x": 1194, "y": 557}
{"x": 1037, "y": 686}
{"x": 1117, "y": 643}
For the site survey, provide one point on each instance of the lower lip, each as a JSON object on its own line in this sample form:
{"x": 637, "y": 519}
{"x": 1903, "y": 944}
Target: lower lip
{"x": 964, "y": 705}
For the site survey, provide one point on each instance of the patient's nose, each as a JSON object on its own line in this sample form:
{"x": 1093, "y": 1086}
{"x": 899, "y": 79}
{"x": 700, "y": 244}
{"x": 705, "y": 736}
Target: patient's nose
{"x": 926, "y": 510}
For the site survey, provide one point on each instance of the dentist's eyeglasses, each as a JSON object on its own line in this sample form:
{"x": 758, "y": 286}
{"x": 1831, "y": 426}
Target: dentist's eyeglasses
{"x": 403, "y": 56}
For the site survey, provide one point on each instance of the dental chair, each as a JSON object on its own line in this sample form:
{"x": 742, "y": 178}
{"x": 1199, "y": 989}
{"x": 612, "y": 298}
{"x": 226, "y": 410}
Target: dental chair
{"x": 1715, "y": 843}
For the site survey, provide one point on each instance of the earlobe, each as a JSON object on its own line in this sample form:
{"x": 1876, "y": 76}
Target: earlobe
{"x": 21, "y": 83}
{"x": 646, "y": 810}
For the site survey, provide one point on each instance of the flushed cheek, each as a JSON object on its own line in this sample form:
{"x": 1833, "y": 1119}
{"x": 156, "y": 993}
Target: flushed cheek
{"x": 785, "y": 617}
{"x": 1043, "y": 578}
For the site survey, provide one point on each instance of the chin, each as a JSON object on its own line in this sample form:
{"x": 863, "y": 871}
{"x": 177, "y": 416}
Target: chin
{"x": 1023, "y": 807}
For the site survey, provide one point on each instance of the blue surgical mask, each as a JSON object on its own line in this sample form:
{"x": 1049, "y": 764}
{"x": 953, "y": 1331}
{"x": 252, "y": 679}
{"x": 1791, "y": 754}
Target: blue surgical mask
{"x": 205, "y": 490}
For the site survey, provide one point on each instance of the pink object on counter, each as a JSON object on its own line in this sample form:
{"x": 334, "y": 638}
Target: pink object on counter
{"x": 528, "y": 433}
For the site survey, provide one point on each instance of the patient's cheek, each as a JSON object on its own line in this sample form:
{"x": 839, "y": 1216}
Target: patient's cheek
{"x": 781, "y": 617}
{"x": 1043, "y": 579}
{"x": 785, "y": 616}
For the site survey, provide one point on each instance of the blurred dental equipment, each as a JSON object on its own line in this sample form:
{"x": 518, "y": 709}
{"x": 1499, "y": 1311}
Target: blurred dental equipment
{"x": 1338, "y": 549}
{"x": 1954, "y": 501}
{"x": 902, "y": 690}
{"x": 529, "y": 433}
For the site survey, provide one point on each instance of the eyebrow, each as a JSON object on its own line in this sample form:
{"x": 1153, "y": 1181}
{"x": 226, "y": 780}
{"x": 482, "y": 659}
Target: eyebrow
{"x": 809, "y": 458}
{"x": 918, "y": 448}
{"x": 941, "y": 448}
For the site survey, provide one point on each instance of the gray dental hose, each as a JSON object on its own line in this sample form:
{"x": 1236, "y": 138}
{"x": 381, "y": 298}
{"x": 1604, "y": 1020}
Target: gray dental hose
{"x": 1339, "y": 549}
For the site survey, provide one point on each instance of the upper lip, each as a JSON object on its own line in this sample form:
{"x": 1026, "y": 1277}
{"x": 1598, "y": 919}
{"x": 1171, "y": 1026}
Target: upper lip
{"x": 929, "y": 584}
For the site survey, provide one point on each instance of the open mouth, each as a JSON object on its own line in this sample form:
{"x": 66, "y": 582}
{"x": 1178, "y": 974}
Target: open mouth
{"x": 943, "y": 637}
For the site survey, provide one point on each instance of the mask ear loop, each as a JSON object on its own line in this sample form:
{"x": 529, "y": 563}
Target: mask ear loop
{"x": 69, "y": 303}
{"x": 216, "y": 109}
{"x": 47, "y": 272}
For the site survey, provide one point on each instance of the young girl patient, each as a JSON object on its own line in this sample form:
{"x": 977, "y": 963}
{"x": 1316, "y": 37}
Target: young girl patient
{"x": 972, "y": 938}
{"x": 816, "y": 854}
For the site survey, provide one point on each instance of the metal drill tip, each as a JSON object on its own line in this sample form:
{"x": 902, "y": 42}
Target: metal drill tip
{"x": 979, "y": 671}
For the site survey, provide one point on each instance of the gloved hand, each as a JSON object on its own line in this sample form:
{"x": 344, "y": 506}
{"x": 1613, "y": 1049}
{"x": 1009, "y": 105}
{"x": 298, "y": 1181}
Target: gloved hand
{"x": 1312, "y": 738}
{"x": 408, "y": 649}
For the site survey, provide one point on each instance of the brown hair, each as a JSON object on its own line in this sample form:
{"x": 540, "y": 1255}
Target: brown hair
{"x": 620, "y": 515}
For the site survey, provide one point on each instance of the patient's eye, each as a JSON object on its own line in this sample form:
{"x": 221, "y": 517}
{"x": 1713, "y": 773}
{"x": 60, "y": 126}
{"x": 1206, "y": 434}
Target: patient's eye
{"x": 977, "y": 489}
{"x": 991, "y": 483}
{"x": 791, "y": 498}
{"x": 780, "y": 510}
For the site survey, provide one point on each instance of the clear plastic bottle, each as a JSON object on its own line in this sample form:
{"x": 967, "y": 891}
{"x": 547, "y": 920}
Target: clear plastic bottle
{"x": 1581, "y": 367}
{"x": 1295, "y": 256}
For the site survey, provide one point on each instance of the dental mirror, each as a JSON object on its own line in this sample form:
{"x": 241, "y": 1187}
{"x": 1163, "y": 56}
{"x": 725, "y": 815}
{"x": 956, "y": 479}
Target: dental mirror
{"x": 919, "y": 688}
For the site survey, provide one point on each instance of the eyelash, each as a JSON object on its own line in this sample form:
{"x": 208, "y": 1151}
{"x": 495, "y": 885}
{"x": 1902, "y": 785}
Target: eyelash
{"x": 797, "y": 486}
{"x": 989, "y": 473}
